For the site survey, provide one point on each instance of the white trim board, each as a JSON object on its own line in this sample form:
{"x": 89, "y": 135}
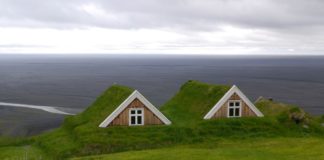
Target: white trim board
{"x": 227, "y": 95}
{"x": 129, "y": 100}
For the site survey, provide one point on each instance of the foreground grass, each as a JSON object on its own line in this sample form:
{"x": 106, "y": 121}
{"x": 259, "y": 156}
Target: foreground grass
{"x": 246, "y": 149}
{"x": 21, "y": 152}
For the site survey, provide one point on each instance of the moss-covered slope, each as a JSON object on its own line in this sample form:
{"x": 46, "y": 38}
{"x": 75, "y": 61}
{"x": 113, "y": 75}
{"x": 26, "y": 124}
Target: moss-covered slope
{"x": 102, "y": 107}
{"x": 192, "y": 102}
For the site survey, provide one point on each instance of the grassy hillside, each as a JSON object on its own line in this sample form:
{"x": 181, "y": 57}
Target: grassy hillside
{"x": 81, "y": 136}
{"x": 101, "y": 108}
{"x": 246, "y": 149}
{"x": 270, "y": 108}
{"x": 192, "y": 102}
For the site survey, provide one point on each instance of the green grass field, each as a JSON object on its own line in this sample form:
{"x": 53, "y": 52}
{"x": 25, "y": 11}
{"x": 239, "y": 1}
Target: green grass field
{"x": 217, "y": 149}
{"x": 21, "y": 152}
{"x": 242, "y": 149}
{"x": 189, "y": 136}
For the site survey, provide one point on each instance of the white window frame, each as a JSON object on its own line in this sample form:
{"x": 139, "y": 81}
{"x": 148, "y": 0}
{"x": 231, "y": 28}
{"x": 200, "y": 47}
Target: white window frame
{"x": 234, "y": 107}
{"x": 136, "y": 115}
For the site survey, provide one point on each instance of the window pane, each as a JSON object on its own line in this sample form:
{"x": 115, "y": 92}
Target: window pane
{"x": 133, "y": 120}
{"x": 237, "y": 103}
{"x": 132, "y": 111}
{"x": 231, "y": 104}
{"x": 231, "y": 110}
{"x": 139, "y": 119}
{"x": 237, "y": 112}
{"x": 139, "y": 111}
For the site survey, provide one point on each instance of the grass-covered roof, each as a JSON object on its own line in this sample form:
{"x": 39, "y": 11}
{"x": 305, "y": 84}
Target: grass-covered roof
{"x": 103, "y": 106}
{"x": 189, "y": 105}
{"x": 192, "y": 102}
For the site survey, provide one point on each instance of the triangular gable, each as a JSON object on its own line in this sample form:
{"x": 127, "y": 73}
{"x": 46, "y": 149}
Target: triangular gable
{"x": 228, "y": 94}
{"x": 129, "y": 100}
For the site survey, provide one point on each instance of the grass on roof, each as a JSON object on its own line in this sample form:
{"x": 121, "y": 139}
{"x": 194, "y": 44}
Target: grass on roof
{"x": 192, "y": 102}
{"x": 102, "y": 107}
{"x": 272, "y": 108}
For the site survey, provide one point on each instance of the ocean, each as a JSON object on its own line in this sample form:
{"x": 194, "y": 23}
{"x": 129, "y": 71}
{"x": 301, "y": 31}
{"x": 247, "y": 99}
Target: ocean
{"x": 72, "y": 82}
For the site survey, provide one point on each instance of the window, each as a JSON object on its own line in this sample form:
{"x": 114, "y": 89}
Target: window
{"x": 136, "y": 117}
{"x": 234, "y": 108}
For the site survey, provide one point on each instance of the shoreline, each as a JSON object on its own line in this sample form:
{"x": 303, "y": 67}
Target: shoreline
{"x": 49, "y": 109}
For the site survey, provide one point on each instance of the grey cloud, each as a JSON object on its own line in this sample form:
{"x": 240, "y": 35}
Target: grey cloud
{"x": 286, "y": 23}
{"x": 189, "y": 14}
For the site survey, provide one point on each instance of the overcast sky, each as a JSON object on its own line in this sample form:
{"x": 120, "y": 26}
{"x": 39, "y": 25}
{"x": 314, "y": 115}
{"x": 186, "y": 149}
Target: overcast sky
{"x": 162, "y": 26}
